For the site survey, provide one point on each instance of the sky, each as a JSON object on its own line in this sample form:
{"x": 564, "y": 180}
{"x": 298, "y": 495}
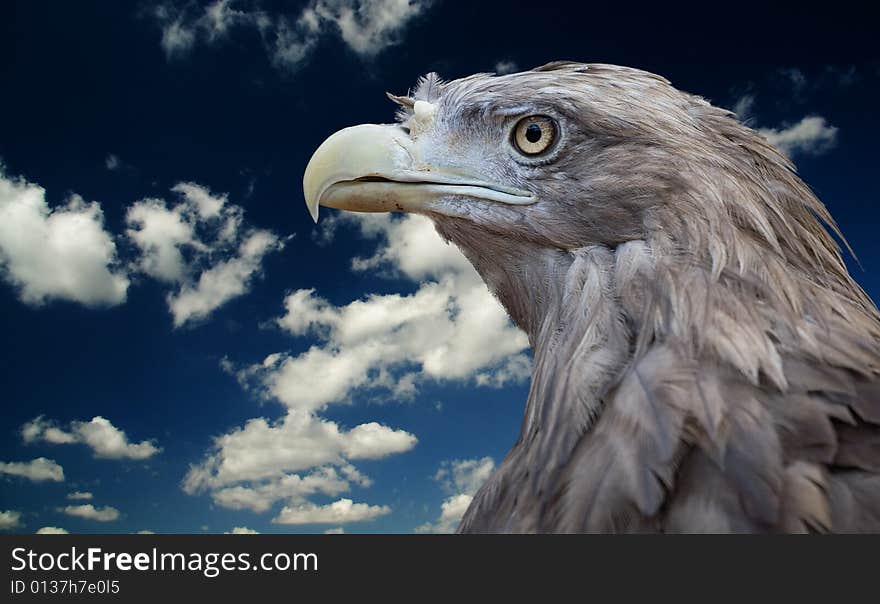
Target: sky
{"x": 185, "y": 351}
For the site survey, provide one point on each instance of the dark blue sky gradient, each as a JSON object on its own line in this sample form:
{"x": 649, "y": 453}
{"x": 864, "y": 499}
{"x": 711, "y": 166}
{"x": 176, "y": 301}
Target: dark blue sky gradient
{"x": 82, "y": 80}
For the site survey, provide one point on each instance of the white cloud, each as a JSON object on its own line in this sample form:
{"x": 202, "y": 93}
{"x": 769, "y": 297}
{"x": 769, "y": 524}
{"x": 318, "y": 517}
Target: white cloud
{"x": 290, "y": 460}
{"x": 366, "y": 26}
{"x": 463, "y": 477}
{"x": 159, "y": 234}
{"x": 242, "y": 530}
{"x": 37, "y": 470}
{"x": 262, "y": 496}
{"x": 451, "y": 328}
{"x": 223, "y": 281}
{"x": 335, "y": 531}
{"x": 206, "y": 204}
{"x": 59, "y": 253}
{"x": 145, "y": 532}
{"x": 220, "y": 17}
{"x": 178, "y": 37}
{"x": 514, "y": 370}
{"x": 99, "y": 434}
{"x": 90, "y": 512}
{"x": 812, "y": 135}
{"x": 79, "y": 496}
{"x": 200, "y": 247}
{"x": 9, "y": 520}
{"x": 106, "y": 440}
{"x": 112, "y": 162}
{"x": 411, "y": 246}
{"x": 41, "y": 429}
{"x": 299, "y": 441}
{"x": 504, "y": 67}
{"x": 51, "y": 530}
{"x": 451, "y": 512}
{"x": 182, "y": 26}
{"x": 342, "y": 511}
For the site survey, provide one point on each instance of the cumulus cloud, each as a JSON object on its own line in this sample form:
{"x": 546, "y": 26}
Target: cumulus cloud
{"x": 37, "y": 470}
{"x": 450, "y": 328}
{"x": 51, "y": 530}
{"x": 812, "y": 135}
{"x": 90, "y": 512}
{"x": 79, "y": 496}
{"x": 514, "y": 370}
{"x": 178, "y": 36}
{"x": 463, "y": 478}
{"x": 200, "y": 247}
{"x": 60, "y": 253}
{"x": 464, "y": 475}
{"x": 262, "y": 449}
{"x": 99, "y": 434}
{"x": 342, "y": 511}
{"x": 302, "y": 455}
{"x": 242, "y": 530}
{"x": 335, "y": 531}
{"x": 260, "y": 497}
{"x": 451, "y": 511}
{"x": 223, "y": 281}
{"x": 9, "y": 519}
{"x": 160, "y": 233}
{"x": 366, "y": 26}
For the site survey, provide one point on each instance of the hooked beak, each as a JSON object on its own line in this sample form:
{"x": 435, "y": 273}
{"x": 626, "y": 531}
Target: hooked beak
{"x": 377, "y": 168}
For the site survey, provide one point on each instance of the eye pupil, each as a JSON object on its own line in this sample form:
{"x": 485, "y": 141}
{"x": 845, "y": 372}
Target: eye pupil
{"x": 534, "y": 133}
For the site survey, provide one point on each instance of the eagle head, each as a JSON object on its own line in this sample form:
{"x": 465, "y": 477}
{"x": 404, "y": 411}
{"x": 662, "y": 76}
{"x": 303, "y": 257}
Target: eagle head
{"x": 562, "y": 156}
{"x": 571, "y": 155}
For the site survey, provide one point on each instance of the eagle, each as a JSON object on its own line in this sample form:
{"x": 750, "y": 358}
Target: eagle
{"x": 702, "y": 359}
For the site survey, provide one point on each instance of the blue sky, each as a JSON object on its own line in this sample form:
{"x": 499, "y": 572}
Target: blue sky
{"x": 185, "y": 351}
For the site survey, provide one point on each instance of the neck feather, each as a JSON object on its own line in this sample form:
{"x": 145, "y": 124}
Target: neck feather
{"x": 567, "y": 304}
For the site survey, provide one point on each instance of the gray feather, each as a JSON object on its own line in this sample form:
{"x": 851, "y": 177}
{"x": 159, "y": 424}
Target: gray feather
{"x": 703, "y": 361}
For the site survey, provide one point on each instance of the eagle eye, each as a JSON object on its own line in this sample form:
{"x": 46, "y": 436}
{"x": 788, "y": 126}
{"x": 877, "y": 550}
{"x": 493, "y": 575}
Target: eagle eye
{"x": 534, "y": 134}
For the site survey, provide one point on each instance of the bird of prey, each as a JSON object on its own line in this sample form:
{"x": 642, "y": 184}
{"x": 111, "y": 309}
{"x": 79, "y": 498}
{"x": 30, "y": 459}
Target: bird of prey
{"x": 703, "y": 360}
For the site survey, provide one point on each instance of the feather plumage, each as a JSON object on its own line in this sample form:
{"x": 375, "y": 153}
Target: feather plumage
{"x": 703, "y": 361}
{"x": 744, "y": 393}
